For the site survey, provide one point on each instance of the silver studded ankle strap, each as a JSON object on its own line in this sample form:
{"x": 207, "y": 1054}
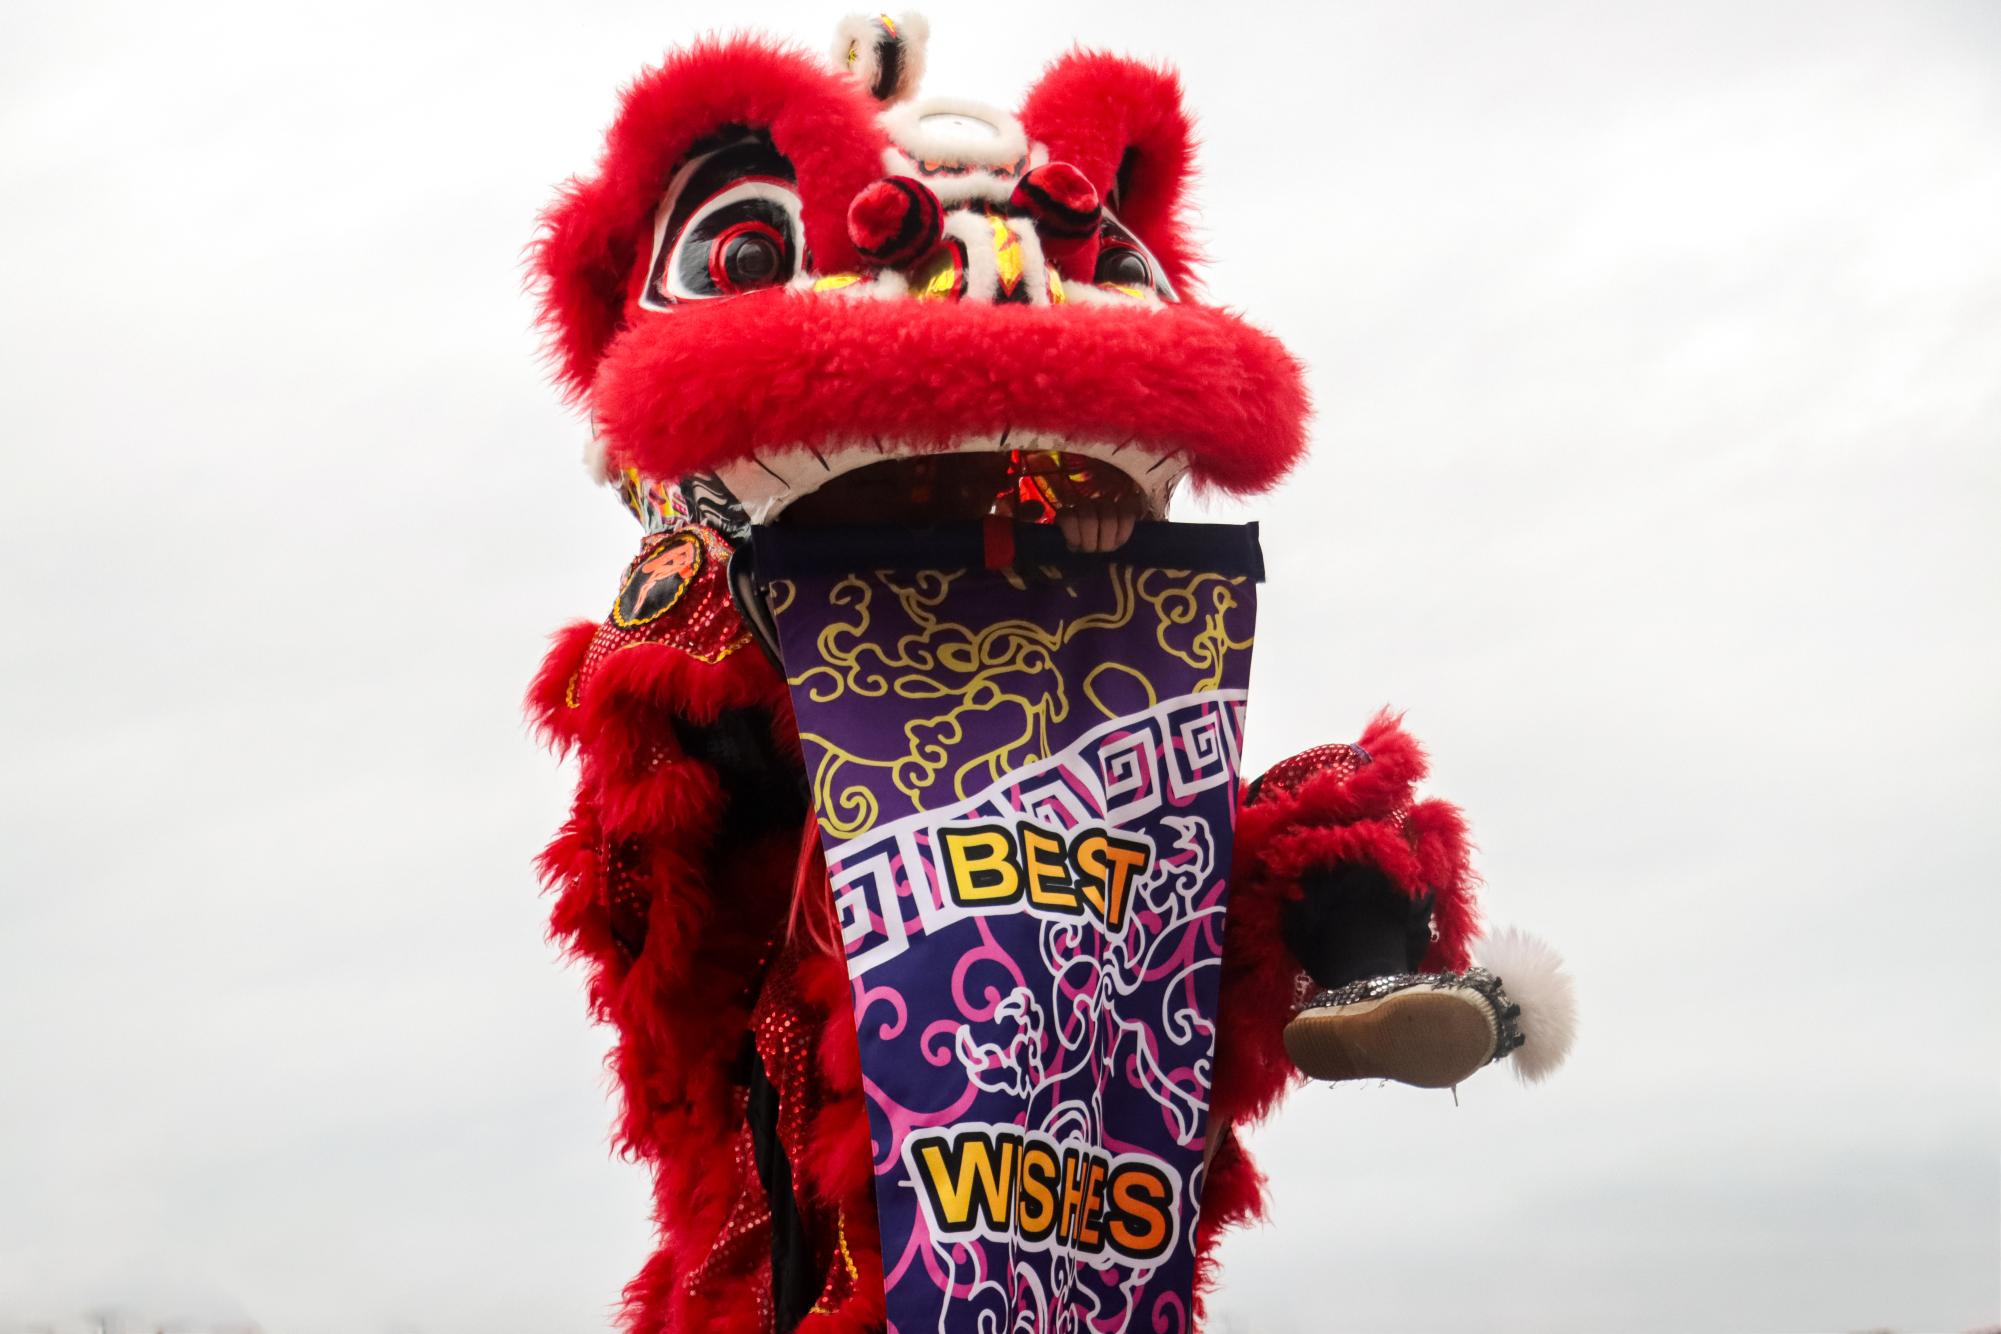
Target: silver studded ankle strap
{"x": 1504, "y": 1014}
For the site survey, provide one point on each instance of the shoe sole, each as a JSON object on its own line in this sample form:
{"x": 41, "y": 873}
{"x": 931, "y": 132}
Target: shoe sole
{"x": 1428, "y": 1039}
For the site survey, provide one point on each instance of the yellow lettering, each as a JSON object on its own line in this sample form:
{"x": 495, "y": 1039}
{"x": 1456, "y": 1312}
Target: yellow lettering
{"x": 1048, "y": 884}
{"x": 1108, "y": 864}
{"x": 1036, "y": 1214}
{"x": 1125, "y": 859}
{"x": 954, "y": 1171}
{"x": 1089, "y": 1233}
{"x": 979, "y": 865}
{"x": 1139, "y": 1211}
{"x": 1072, "y": 1207}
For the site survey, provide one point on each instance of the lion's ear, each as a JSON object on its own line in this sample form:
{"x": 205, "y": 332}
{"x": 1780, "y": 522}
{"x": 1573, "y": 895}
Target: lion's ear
{"x": 579, "y": 266}
{"x": 588, "y": 256}
{"x": 1121, "y": 122}
{"x": 885, "y": 55}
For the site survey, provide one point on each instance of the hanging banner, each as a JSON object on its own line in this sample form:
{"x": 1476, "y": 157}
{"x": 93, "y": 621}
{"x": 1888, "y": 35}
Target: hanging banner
{"x": 1026, "y": 783}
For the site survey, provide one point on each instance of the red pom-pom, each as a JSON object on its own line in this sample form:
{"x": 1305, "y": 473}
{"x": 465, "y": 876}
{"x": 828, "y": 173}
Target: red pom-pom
{"x": 1060, "y": 200}
{"x": 1066, "y": 211}
{"x": 895, "y": 221}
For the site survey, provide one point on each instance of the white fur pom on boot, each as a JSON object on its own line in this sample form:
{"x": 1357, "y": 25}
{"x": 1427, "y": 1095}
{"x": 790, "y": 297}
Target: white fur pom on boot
{"x": 1533, "y": 975}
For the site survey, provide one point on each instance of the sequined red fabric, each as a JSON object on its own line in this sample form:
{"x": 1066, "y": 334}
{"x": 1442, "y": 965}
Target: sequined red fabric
{"x": 1288, "y": 776}
{"x": 703, "y": 622}
{"x": 626, "y": 893}
{"x": 1337, "y": 758}
{"x": 785, "y": 1039}
{"x": 786, "y": 1029}
{"x": 742, "y": 1252}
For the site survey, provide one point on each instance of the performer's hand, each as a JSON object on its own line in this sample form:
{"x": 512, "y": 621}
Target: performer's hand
{"x": 1099, "y": 525}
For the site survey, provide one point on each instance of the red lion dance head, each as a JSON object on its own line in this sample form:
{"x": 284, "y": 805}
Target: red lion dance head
{"x": 789, "y": 281}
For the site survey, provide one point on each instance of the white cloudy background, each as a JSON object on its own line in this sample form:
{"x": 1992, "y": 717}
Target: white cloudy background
{"x": 1658, "y": 355}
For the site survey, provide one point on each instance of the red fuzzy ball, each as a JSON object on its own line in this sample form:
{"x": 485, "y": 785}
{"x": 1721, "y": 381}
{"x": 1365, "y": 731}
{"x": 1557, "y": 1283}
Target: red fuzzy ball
{"x": 895, "y": 222}
{"x": 1064, "y": 205}
{"x": 1060, "y": 200}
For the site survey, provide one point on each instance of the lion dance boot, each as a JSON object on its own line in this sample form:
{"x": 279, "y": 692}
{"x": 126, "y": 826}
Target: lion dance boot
{"x": 1371, "y": 1008}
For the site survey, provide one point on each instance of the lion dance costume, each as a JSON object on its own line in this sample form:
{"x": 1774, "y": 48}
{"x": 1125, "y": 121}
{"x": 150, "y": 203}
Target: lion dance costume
{"x": 947, "y": 954}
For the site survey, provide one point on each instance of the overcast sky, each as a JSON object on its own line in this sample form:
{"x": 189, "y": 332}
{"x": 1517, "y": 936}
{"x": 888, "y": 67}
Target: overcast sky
{"x": 1658, "y": 356}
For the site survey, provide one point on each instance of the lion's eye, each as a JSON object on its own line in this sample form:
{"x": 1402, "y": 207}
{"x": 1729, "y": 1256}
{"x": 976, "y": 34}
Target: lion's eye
{"x": 742, "y": 239}
{"x": 1123, "y": 262}
{"x": 748, "y": 256}
{"x": 1122, "y": 266}
{"x": 729, "y": 224}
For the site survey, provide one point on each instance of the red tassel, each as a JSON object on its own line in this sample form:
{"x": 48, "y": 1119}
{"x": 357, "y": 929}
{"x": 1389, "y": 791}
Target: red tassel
{"x": 997, "y": 542}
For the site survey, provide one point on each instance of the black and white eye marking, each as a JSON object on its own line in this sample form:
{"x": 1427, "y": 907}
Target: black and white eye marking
{"x": 1125, "y": 262}
{"x": 728, "y": 224}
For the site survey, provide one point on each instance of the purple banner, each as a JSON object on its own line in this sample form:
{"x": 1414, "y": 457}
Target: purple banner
{"x": 1026, "y": 784}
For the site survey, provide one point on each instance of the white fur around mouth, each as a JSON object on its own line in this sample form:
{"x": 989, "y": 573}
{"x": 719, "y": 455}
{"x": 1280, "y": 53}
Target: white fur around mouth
{"x": 772, "y": 479}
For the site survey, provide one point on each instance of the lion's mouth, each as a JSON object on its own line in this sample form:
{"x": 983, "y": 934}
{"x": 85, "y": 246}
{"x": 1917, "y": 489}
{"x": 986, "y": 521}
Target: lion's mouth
{"x": 1091, "y": 497}
{"x": 1033, "y": 477}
